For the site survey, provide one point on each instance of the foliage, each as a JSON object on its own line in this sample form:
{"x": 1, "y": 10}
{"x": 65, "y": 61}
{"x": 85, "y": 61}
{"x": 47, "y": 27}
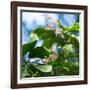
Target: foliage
{"x": 62, "y": 59}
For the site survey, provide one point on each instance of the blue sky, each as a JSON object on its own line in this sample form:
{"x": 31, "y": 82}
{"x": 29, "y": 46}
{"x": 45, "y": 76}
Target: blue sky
{"x": 31, "y": 20}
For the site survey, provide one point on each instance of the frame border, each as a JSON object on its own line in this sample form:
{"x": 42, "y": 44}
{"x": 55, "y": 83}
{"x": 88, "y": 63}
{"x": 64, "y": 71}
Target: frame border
{"x": 14, "y": 5}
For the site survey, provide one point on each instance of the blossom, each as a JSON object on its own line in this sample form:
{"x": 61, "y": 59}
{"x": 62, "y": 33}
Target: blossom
{"x": 51, "y": 58}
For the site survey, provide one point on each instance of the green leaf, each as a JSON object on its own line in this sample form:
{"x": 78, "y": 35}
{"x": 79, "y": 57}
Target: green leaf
{"x": 49, "y": 42}
{"x": 44, "y": 68}
{"x": 54, "y": 63}
{"x": 33, "y": 37}
{"x": 44, "y": 34}
{"x": 24, "y": 71}
{"x": 74, "y": 39}
{"x": 65, "y": 68}
{"x": 70, "y": 68}
{"x": 39, "y": 31}
{"x": 59, "y": 24}
{"x": 28, "y": 47}
{"x": 68, "y": 48}
{"x": 74, "y": 27}
{"x": 39, "y": 52}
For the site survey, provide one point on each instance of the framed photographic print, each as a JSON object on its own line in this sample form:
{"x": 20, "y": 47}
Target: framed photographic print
{"x": 48, "y": 44}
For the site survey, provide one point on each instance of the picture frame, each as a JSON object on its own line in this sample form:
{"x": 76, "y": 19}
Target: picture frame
{"x": 46, "y": 75}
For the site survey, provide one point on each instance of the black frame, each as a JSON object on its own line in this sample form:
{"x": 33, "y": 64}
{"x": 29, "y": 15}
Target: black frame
{"x": 14, "y": 6}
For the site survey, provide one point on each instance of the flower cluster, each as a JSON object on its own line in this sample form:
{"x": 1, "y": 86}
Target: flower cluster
{"x": 52, "y": 57}
{"x": 53, "y": 25}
